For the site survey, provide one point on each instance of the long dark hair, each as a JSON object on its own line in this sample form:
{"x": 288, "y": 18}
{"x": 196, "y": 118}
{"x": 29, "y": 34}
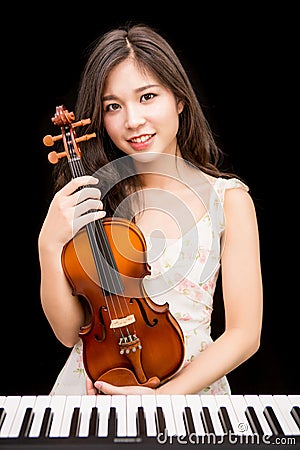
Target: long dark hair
{"x": 152, "y": 53}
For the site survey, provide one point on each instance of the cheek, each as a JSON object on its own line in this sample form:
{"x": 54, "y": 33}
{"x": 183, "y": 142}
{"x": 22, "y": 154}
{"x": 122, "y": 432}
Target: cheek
{"x": 112, "y": 128}
{"x": 167, "y": 112}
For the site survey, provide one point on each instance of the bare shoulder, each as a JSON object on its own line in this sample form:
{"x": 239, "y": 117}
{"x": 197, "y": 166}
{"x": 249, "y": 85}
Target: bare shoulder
{"x": 239, "y": 206}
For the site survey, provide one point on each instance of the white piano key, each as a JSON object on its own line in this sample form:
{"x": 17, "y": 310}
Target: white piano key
{"x": 27, "y": 401}
{"x": 2, "y": 400}
{"x": 103, "y": 403}
{"x": 86, "y": 405}
{"x": 294, "y": 399}
{"x": 10, "y": 405}
{"x": 268, "y": 400}
{"x": 239, "y": 405}
{"x": 57, "y": 405}
{"x": 149, "y": 405}
{"x": 295, "y": 402}
{"x": 178, "y": 405}
{"x": 133, "y": 402}
{"x": 194, "y": 402}
{"x": 210, "y": 402}
{"x": 253, "y": 400}
{"x": 119, "y": 402}
{"x": 285, "y": 406}
{"x": 164, "y": 401}
{"x": 224, "y": 400}
{"x": 72, "y": 402}
{"x": 41, "y": 403}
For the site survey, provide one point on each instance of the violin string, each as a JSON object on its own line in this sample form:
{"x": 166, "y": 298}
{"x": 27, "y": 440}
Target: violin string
{"x": 105, "y": 244}
{"x": 78, "y": 171}
{"x": 113, "y": 270}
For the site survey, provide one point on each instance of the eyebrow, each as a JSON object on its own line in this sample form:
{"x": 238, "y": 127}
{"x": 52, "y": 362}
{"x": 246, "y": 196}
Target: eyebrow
{"x": 140, "y": 89}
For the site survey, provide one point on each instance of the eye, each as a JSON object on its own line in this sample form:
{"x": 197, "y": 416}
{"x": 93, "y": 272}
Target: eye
{"x": 112, "y": 107}
{"x": 147, "y": 97}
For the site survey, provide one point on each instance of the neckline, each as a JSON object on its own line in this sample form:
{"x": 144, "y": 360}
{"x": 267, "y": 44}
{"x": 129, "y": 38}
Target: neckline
{"x": 167, "y": 239}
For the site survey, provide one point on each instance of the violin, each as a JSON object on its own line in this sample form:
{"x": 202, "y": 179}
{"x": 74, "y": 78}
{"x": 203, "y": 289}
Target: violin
{"x": 130, "y": 340}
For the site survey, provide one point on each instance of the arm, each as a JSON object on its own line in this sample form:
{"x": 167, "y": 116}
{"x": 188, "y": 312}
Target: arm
{"x": 66, "y": 215}
{"x": 242, "y": 291}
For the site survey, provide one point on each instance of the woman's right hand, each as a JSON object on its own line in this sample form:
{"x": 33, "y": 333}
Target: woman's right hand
{"x": 70, "y": 209}
{"x": 74, "y": 206}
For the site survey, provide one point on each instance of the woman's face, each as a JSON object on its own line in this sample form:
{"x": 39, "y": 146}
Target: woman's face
{"x": 140, "y": 115}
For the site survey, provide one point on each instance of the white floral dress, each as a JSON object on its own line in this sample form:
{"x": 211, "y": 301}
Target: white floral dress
{"x": 184, "y": 272}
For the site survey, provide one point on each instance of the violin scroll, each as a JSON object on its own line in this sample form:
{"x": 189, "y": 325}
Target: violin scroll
{"x": 64, "y": 118}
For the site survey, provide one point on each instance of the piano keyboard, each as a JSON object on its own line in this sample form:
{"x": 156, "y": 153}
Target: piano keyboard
{"x": 171, "y": 421}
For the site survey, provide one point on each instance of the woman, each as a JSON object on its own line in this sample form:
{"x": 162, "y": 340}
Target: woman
{"x": 158, "y": 165}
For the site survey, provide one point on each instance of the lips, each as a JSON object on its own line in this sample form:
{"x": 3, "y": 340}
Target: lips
{"x": 141, "y": 139}
{"x": 141, "y": 142}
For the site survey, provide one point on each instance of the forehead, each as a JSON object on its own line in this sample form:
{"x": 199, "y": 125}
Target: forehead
{"x": 129, "y": 73}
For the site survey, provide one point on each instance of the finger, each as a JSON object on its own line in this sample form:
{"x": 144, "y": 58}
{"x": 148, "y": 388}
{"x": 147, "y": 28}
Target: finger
{"x": 88, "y": 205}
{"x": 78, "y": 182}
{"x": 90, "y": 388}
{"x": 87, "y": 218}
{"x": 110, "y": 389}
{"x": 85, "y": 194}
{"x": 107, "y": 388}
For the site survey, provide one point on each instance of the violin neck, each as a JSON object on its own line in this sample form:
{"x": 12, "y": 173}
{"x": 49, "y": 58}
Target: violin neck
{"x": 106, "y": 266}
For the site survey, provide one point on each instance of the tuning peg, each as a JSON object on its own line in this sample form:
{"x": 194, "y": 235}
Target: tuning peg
{"x": 49, "y": 140}
{"x": 85, "y": 137}
{"x": 81, "y": 122}
{"x": 54, "y": 157}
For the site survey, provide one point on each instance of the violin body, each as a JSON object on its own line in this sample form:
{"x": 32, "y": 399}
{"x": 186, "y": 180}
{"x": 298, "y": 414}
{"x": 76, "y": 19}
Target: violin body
{"x": 129, "y": 340}
{"x": 162, "y": 350}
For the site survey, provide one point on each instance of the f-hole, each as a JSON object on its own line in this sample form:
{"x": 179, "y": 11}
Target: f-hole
{"x": 102, "y": 326}
{"x": 143, "y": 312}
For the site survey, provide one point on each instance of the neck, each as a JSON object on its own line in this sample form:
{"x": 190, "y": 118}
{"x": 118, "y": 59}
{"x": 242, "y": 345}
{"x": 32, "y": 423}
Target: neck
{"x": 160, "y": 170}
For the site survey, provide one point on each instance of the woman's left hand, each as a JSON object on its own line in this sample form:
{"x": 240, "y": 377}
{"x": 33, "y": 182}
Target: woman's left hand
{"x": 110, "y": 389}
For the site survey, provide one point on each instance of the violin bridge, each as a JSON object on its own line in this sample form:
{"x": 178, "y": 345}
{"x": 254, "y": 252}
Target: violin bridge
{"x": 122, "y": 322}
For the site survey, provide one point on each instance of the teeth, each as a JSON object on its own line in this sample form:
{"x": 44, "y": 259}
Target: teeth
{"x": 142, "y": 138}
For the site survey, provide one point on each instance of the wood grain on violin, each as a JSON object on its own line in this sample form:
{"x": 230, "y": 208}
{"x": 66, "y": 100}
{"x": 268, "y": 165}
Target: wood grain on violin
{"x": 130, "y": 340}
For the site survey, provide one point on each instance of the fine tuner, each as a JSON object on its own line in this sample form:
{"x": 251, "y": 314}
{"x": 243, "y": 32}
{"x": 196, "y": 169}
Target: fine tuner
{"x": 49, "y": 140}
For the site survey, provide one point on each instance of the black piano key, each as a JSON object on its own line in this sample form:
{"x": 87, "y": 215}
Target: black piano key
{"x": 46, "y": 423}
{"x": 295, "y": 411}
{"x": 141, "y": 422}
{"x": 160, "y": 420}
{"x": 94, "y": 422}
{"x": 26, "y": 422}
{"x": 188, "y": 421}
{"x": 206, "y": 420}
{"x": 75, "y": 421}
{"x": 112, "y": 422}
{"x": 225, "y": 420}
{"x": 272, "y": 420}
{"x": 253, "y": 421}
{"x": 2, "y": 415}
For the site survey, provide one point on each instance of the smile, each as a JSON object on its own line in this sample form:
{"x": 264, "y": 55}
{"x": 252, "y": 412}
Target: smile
{"x": 141, "y": 139}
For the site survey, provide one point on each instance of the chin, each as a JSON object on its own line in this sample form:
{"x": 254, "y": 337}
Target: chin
{"x": 145, "y": 157}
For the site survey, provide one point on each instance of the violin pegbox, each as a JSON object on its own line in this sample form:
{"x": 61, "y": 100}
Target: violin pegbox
{"x": 65, "y": 120}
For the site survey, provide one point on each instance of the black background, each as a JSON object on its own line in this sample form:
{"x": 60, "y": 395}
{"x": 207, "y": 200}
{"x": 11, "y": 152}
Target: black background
{"x": 241, "y": 61}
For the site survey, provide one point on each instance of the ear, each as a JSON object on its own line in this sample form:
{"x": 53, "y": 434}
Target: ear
{"x": 180, "y": 106}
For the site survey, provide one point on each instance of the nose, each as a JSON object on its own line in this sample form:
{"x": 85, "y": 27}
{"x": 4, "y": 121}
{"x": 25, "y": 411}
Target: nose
{"x": 134, "y": 117}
